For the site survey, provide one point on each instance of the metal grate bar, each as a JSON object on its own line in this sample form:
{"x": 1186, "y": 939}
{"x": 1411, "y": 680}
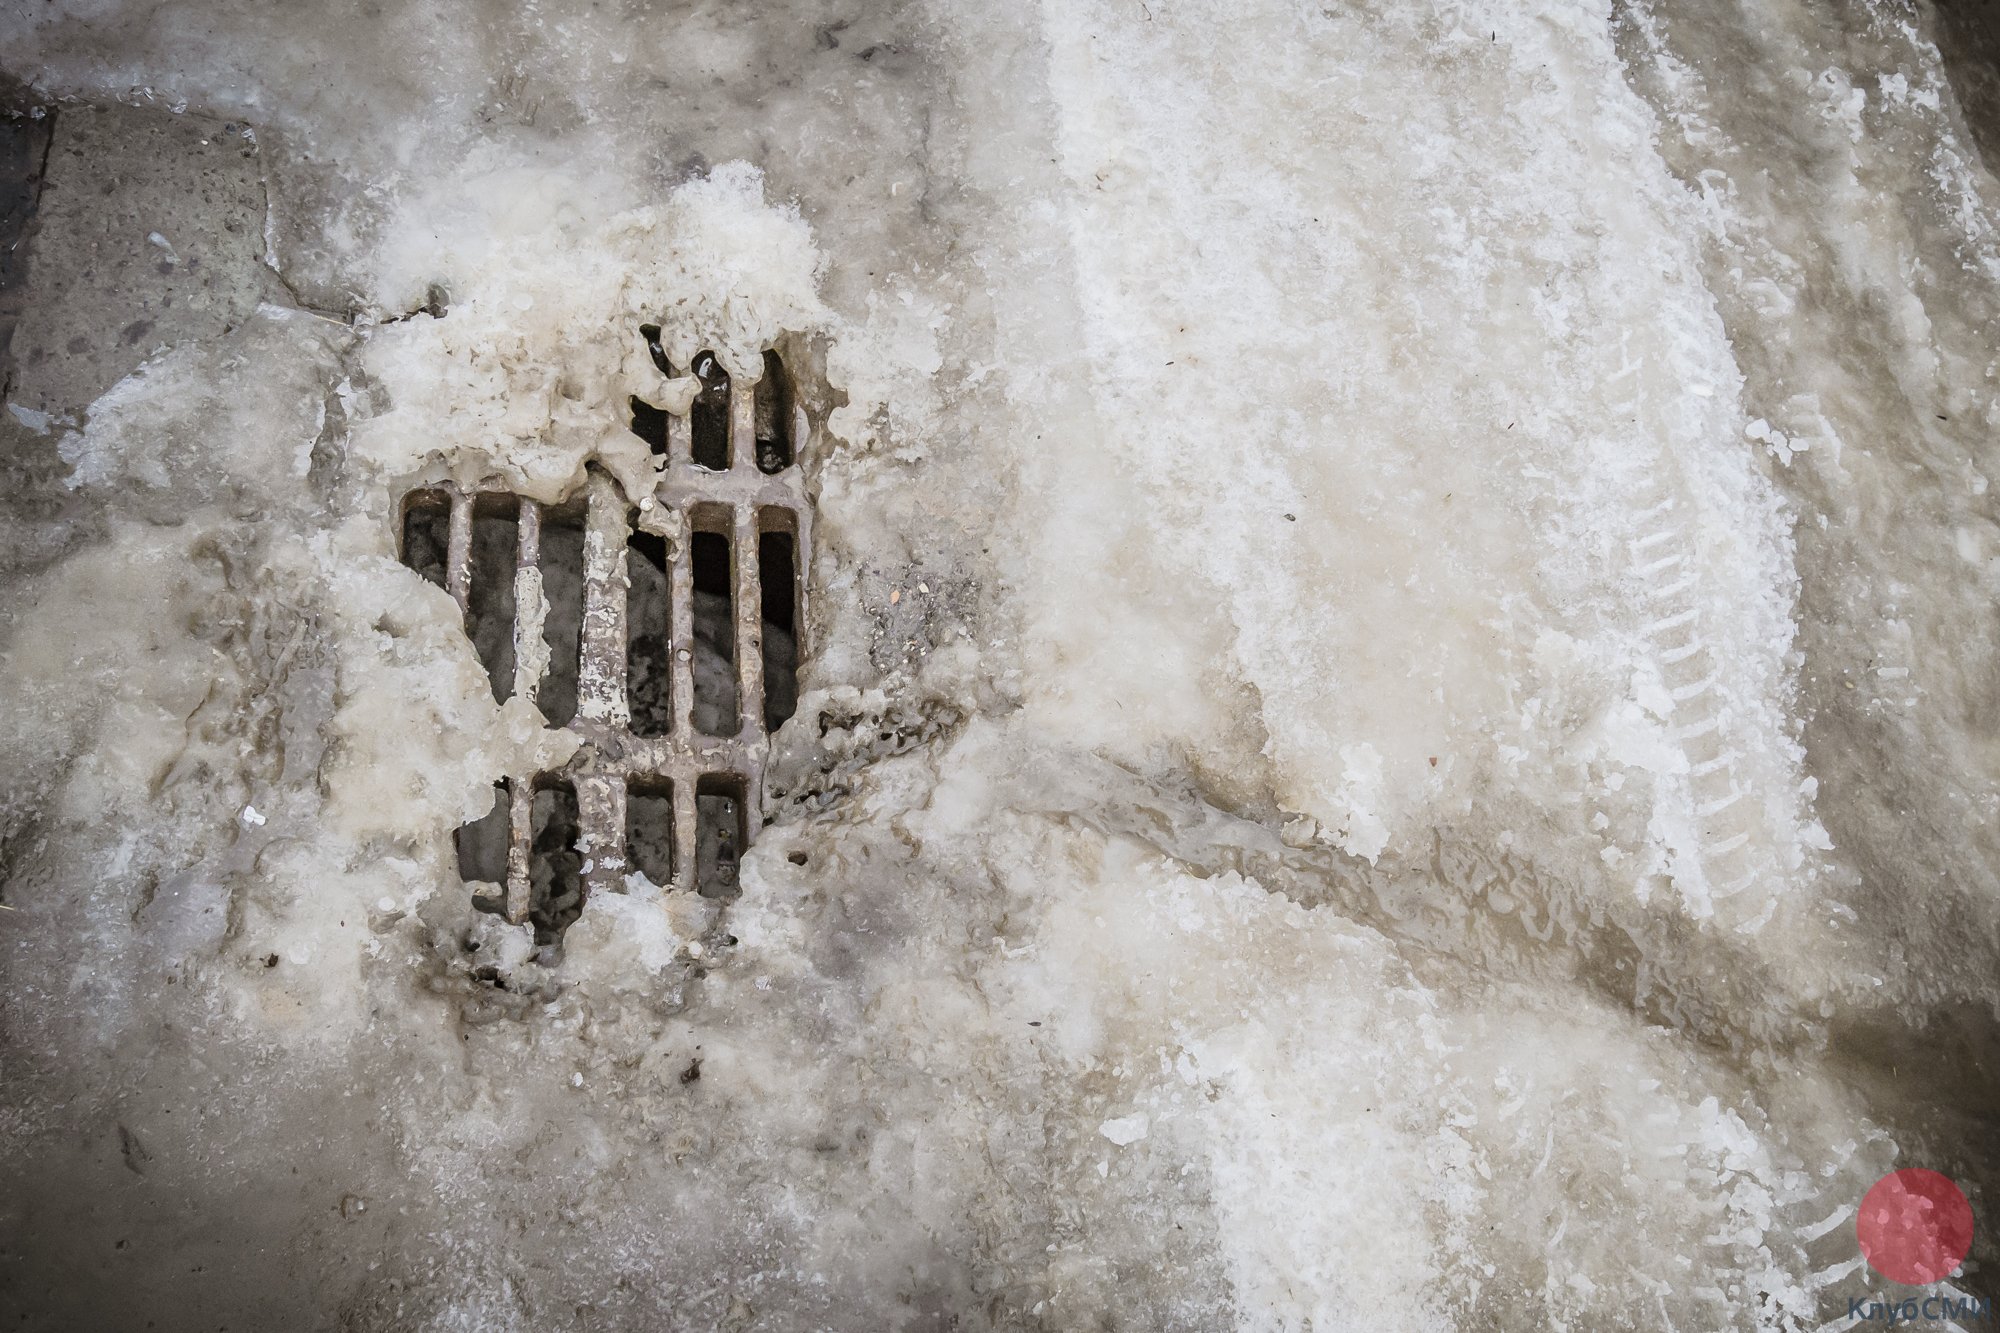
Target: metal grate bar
{"x": 743, "y": 426}
{"x": 527, "y": 609}
{"x": 601, "y": 807}
{"x": 680, "y": 613}
{"x": 686, "y": 821}
{"x": 600, "y": 687}
{"x": 749, "y": 607}
{"x": 458, "y": 554}
{"x": 521, "y": 837}
{"x": 680, "y": 439}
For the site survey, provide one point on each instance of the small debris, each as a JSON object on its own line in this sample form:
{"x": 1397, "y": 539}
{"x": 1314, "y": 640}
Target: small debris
{"x": 137, "y": 1157}
{"x": 895, "y": 596}
{"x": 251, "y": 817}
{"x": 692, "y": 1074}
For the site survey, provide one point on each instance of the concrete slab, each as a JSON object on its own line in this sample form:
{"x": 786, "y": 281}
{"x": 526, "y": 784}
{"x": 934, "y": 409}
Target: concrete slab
{"x": 150, "y": 232}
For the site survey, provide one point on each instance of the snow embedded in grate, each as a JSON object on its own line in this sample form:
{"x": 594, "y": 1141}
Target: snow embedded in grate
{"x": 672, "y": 648}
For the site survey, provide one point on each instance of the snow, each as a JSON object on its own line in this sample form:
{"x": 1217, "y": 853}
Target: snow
{"x": 1124, "y": 1130}
{"x": 1396, "y": 725}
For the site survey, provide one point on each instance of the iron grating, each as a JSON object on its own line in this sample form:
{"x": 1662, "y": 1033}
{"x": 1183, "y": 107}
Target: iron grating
{"x": 659, "y": 731}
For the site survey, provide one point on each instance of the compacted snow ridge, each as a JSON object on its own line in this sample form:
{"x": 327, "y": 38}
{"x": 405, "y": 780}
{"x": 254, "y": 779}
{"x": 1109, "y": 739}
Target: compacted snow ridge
{"x": 1397, "y": 725}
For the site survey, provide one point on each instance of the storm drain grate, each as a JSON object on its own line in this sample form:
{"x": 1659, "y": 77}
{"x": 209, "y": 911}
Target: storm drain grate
{"x": 668, "y": 635}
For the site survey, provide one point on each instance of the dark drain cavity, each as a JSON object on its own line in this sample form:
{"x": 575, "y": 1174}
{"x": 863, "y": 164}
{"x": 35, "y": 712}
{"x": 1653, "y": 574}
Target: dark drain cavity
{"x": 774, "y": 417}
{"x": 708, "y": 419}
{"x": 672, "y": 651}
{"x": 714, "y": 578}
{"x": 778, "y": 599}
{"x": 427, "y": 533}
{"x": 482, "y": 849}
{"x": 651, "y": 334}
{"x": 649, "y": 423}
{"x": 562, "y": 624}
{"x": 489, "y": 619}
{"x": 649, "y": 828}
{"x": 555, "y": 867}
{"x": 648, "y": 635}
{"x": 720, "y": 830}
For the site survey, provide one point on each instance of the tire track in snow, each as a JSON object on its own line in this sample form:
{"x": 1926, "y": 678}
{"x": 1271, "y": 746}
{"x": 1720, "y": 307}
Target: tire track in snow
{"x": 1664, "y": 559}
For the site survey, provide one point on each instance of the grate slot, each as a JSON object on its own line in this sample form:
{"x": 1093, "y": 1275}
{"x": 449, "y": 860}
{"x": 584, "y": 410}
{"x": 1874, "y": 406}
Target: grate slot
{"x": 777, "y": 603}
{"x": 482, "y": 846}
{"x": 493, "y": 558}
{"x": 426, "y": 535}
{"x": 650, "y": 334}
{"x": 649, "y": 828}
{"x": 648, "y": 635}
{"x": 649, "y": 423}
{"x": 555, "y": 858}
{"x": 710, "y": 418}
{"x": 713, "y": 649}
{"x": 773, "y": 396}
{"x": 562, "y": 624}
{"x": 721, "y": 832}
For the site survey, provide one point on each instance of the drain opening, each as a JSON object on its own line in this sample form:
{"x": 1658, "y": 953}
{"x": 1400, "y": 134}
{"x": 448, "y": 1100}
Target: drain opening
{"x": 720, "y": 832}
{"x": 708, "y": 418}
{"x": 778, "y": 595}
{"x": 648, "y": 635}
{"x": 649, "y": 423}
{"x": 489, "y": 613}
{"x": 711, "y": 627}
{"x": 774, "y": 417}
{"x": 561, "y": 563}
{"x": 649, "y": 828}
{"x": 555, "y": 867}
{"x": 715, "y": 699}
{"x": 427, "y": 533}
{"x": 482, "y": 849}
{"x": 651, "y": 333}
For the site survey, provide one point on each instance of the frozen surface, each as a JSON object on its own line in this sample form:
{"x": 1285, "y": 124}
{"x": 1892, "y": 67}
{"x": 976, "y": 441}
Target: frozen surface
{"x": 1398, "y": 723}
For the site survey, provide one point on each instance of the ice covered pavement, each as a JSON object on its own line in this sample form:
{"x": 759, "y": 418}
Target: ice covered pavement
{"x": 1398, "y": 724}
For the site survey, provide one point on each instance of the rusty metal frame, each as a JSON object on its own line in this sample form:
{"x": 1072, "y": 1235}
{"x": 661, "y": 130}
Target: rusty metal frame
{"x": 746, "y": 503}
